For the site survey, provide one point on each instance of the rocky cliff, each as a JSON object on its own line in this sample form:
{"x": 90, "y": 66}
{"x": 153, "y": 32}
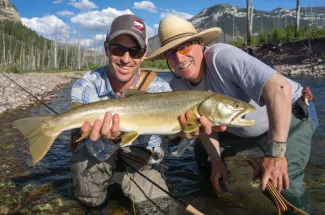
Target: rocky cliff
{"x": 8, "y": 11}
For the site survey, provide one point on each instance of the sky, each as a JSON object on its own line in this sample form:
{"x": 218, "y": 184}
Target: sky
{"x": 64, "y": 20}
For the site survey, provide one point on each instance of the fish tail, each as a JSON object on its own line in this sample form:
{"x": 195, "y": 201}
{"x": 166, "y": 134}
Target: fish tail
{"x": 40, "y": 137}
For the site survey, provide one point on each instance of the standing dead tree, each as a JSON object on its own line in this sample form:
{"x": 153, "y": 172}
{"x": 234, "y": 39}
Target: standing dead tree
{"x": 297, "y": 18}
{"x": 249, "y": 23}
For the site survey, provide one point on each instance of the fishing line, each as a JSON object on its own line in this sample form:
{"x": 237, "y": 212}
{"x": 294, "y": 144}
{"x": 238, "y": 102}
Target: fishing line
{"x": 30, "y": 94}
{"x": 127, "y": 171}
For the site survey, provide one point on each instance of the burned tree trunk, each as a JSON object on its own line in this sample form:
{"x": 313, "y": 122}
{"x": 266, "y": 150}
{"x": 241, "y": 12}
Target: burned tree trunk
{"x": 249, "y": 23}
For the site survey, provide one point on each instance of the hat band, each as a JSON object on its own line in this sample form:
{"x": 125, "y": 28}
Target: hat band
{"x": 176, "y": 37}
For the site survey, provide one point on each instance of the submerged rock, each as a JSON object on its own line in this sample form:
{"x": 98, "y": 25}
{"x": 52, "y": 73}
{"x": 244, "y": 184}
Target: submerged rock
{"x": 45, "y": 207}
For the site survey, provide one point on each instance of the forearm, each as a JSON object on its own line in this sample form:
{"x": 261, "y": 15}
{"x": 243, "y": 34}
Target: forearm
{"x": 277, "y": 95}
{"x": 211, "y": 146}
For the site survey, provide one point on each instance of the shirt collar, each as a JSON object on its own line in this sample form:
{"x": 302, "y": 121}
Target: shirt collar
{"x": 105, "y": 88}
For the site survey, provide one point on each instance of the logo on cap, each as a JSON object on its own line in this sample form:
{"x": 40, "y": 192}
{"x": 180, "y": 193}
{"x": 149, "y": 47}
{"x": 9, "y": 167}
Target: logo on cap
{"x": 139, "y": 25}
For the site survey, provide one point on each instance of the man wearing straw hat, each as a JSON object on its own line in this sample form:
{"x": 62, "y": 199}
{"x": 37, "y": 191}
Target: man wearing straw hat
{"x": 284, "y": 125}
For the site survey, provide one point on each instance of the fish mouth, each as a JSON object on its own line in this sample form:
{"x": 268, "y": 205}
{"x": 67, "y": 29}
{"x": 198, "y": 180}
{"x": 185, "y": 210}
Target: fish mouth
{"x": 239, "y": 121}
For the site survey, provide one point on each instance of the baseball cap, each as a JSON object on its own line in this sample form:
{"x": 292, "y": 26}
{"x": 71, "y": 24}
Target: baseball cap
{"x": 128, "y": 24}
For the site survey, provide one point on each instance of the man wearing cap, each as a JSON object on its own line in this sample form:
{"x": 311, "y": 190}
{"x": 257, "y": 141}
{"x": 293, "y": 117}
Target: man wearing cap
{"x": 94, "y": 163}
{"x": 285, "y": 120}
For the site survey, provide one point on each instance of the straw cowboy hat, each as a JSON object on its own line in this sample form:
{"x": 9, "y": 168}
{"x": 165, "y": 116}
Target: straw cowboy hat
{"x": 174, "y": 31}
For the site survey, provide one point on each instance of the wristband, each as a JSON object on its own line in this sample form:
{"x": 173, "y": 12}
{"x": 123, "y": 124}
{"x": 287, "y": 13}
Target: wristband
{"x": 276, "y": 149}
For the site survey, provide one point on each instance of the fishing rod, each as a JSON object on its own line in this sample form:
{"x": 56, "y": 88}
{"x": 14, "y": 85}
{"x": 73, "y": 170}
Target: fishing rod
{"x": 279, "y": 201}
{"x": 188, "y": 207}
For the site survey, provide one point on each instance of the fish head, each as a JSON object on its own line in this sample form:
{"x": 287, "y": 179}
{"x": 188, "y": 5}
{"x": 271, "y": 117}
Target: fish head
{"x": 224, "y": 110}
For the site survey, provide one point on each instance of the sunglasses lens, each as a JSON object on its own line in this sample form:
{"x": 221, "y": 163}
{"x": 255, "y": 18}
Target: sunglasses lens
{"x": 171, "y": 55}
{"x": 136, "y": 53}
{"x": 184, "y": 49}
{"x": 117, "y": 50}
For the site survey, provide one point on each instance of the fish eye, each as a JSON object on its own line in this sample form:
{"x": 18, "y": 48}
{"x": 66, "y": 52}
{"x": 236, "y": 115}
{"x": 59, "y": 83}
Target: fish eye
{"x": 237, "y": 105}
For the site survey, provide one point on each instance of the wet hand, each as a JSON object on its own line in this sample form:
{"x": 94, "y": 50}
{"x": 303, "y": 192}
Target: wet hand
{"x": 218, "y": 174}
{"x": 103, "y": 128}
{"x": 274, "y": 169}
{"x": 206, "y": 126}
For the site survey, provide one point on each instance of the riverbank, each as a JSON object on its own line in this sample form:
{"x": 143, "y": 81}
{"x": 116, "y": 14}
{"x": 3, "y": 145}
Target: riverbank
{"x": 38, "y": 84}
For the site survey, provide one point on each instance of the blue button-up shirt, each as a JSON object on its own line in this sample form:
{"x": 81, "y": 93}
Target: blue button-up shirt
{"x": 95, "y": 86}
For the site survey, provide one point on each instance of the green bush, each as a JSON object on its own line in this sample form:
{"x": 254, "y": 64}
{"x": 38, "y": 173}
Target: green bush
{"x": 14, "y": 67}
{"x": 290, "y": 33}
{"x": 278, "y": 35}
{"x": 239, "y": 42}
{"x": 314, "y": 31}
{"x": 159, "y": 64}
{"x": 264, "y": 37}
{"x": 255, "y": 40}
{"x": 94, "y": 66}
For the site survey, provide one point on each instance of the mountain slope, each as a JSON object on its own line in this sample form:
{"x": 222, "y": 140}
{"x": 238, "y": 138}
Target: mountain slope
{"x": 233, "y": 20}
{"x": 8, "y": 11}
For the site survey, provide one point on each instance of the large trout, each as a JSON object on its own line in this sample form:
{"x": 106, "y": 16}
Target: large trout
{"x": 140, "y": 113}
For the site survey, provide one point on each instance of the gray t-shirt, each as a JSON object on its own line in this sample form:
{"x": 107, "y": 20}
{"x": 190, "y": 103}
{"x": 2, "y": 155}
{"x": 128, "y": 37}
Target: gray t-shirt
{"x": 233, "y": 72}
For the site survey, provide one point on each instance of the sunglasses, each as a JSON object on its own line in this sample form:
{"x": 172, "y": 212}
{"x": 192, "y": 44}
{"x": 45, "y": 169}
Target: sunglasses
{"x": 119, "y": 50}
{"x": 182, "y": 49}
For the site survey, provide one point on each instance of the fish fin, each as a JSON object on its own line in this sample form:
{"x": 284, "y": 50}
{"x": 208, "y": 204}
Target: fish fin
{"x": 191, "y": 117}
{"x": 83, "y": 136}
{"x": 132, "y": 92}
{"x": 75, "y": 104}
{"x": 40, "y": 139}
{"x": 128, "y": 138}
{"x": 192, "y": 127}
{"x": 192, "y": 120}
{"x": 177, "y": 128}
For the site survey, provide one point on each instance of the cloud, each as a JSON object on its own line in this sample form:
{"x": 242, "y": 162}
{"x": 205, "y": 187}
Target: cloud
{"x": 145, "y": 5}
{"x": 150, "y": 31}
{"x": 169, "y": 12}
{"x": 86, "y": 42}
{"x": 97, "y": 20}
{"x": 100, "y": 37}
{"x": 156, "y": 26}
{"x": 83, "y": 5}
{"x": 65, "y": 13}
{"x": 57, "y": 1}
{"x": 49, "y": 26}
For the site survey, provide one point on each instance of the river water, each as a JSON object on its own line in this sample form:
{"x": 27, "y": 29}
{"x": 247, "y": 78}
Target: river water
{"x": 45, "y": 188}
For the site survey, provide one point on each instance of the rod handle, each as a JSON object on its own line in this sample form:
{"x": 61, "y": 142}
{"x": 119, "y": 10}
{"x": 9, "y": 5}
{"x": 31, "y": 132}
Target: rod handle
{"x": 193, "y": 210}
